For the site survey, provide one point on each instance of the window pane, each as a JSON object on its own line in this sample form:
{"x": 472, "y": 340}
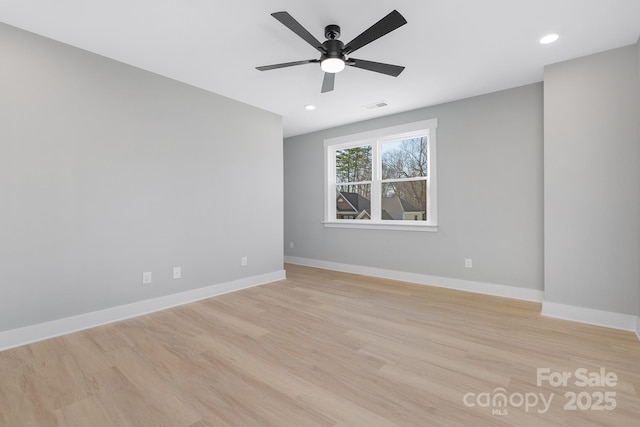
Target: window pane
{"x": 406, "y": 200}
{"x": 353, "y": 201}
{"x": 353, "y": 164}
{"x": 405, "y": 158}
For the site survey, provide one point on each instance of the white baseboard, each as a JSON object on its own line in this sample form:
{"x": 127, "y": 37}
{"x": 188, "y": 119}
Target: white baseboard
{"x": 422, "y": 279}
{"x": 591, "y": 316}
{"x": 638, "y": 327}
{"x": 29, "y": 334}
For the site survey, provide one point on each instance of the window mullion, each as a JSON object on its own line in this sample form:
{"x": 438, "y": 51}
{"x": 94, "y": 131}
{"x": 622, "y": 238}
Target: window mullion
{"x": 413, "y": 178}
{"x": 353, "y": 183}
{"x": 376, "y": 186}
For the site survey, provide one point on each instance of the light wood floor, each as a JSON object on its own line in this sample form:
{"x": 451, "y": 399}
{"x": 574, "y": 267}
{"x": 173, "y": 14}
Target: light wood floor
{"x": 322, "y": 349}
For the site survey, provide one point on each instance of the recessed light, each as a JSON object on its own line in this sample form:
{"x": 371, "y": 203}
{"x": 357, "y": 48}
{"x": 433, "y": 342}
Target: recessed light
{"x": 549, "y": 38}
{"x": 310, "y": 107}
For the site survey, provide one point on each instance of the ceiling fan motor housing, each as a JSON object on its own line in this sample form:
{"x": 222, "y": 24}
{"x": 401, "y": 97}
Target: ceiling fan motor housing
{"x": 333, "y": 49}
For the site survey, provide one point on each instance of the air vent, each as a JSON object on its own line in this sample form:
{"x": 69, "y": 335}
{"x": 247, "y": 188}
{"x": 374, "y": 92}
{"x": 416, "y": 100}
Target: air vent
{"x": 376, "y": 105}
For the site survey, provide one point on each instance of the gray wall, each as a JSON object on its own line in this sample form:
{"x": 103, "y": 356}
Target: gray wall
{"x": 591, "y": 181}
{"x": 638, "y": 53}
{"x": 107, "y": 171}
{"x": 489, "y": 195}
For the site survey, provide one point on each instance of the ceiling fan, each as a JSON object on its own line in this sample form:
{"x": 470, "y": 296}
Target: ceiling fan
{"x": 333, "y": 58}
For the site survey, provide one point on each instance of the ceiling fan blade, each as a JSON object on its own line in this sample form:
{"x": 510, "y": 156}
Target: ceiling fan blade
{"x": 378, "y": 67}
{"x": 295, "y": 26}
{"x": 328, "y": 82}
{"x": 384, "y": 26}
{"x": 287, "y": 64}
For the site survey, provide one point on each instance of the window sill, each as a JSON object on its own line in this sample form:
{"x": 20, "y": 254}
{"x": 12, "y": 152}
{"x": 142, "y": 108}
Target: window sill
{"x": 396, "y": 225}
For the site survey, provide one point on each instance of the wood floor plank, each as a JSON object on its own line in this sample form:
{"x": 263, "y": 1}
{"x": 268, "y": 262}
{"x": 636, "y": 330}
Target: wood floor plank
{"x": 323, "y": 349}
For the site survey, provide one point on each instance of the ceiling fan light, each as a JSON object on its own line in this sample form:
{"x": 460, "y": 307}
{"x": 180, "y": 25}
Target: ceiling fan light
{"x": 332, "y": 65}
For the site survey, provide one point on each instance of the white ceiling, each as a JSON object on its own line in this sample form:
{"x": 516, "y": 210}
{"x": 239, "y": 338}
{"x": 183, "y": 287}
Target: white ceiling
{"x": 452, "y": 49}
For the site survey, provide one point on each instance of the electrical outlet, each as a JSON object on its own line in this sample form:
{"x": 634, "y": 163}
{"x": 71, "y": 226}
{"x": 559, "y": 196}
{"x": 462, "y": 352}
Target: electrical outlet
{"x": 468, "y": 263}
{"x": 244, "y": 261}
{"x": 291, "y": 245}
{"x": 177, "y": 272}
{"x": 146, "y": 277}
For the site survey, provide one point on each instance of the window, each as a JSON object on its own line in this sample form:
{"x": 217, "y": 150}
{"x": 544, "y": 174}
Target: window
{"x": 383, "y": 179}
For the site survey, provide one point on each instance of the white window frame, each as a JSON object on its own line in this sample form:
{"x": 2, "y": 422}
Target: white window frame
{"x": 375, "y": 139}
